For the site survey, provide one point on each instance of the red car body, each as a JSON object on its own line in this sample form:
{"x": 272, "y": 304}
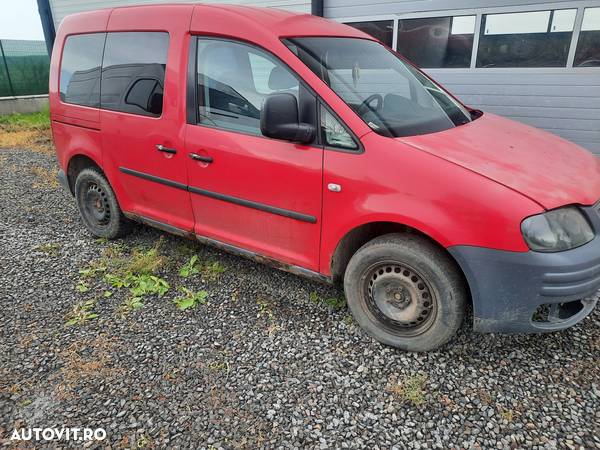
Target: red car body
{"x": 467, "y": 187}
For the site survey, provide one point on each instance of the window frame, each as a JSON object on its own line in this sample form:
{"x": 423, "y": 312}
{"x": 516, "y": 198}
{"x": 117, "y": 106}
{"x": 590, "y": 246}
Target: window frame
{"x": 192, "y": 112}
{"x": 579, "y": 5}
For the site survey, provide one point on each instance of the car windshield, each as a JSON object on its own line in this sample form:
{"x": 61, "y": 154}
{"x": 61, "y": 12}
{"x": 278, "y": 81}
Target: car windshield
{"x": 390, "y": 95}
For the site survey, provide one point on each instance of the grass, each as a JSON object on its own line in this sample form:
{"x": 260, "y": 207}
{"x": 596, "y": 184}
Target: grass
{"x": 30, "y": 121}
{"x": 135, "y": 272}
{"x": 507, "y": 414}
{"x": 410, "y": 389}
{"x": 265, "y": 308}
{"x": 81, "y": 313}
{"x": 45, "y": 177}
{"x": 30, "y": 131}
{"x": 213, "y": 270}
{"x": 83, "y": 362}
{"x": 209, "y": 270}
{"x": 336, "y": 303}
{"x": 49, "y": 249}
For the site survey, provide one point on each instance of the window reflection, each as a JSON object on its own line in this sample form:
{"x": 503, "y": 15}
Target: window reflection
{"x": 437, "y": 42}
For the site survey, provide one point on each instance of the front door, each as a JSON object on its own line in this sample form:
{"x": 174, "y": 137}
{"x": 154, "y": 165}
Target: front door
{"x": 248, "y": 190}
{"x": 142, "y": 114}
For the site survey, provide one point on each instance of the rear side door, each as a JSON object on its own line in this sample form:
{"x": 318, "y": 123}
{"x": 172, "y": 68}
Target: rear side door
{"x": 247, "y": 190}
{"x": 142, "y": 112}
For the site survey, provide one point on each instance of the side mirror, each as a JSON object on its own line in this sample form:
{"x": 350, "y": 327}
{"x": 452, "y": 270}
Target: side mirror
{"x": 279, "y": 120}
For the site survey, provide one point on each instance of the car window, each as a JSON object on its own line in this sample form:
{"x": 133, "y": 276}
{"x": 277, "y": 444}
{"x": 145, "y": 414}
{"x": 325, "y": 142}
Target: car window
{"x": 133, "y": 72}
{"x": 333, "y": 133}
{"x": 392, "y": 97}
{"x": 233, "y": 81}
{"x": 80, "y": 69}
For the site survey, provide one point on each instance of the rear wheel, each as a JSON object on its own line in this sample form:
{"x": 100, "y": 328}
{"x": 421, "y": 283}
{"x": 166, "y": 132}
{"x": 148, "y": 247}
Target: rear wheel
{"x": 98, "y": 205}
{"x": 405, "y": 292}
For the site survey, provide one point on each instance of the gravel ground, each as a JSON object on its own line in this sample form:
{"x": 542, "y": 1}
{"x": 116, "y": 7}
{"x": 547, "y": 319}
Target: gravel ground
{"x": 263, "y": 364}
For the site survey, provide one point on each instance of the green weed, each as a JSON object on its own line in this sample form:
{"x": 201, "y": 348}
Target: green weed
{"x": 337, "y": 303}
{"x": 190, "y": 299}
{"x": 49, "y": 249}
{"x": 213, "y": 270}
{"x": 190, "y": 268}
{"x": 410, "y": 389}
{"x": 81, "y": 313}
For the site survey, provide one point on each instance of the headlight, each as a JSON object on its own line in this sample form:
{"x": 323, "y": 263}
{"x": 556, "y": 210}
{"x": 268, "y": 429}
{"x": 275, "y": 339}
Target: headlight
{"x": 557, "y": 230}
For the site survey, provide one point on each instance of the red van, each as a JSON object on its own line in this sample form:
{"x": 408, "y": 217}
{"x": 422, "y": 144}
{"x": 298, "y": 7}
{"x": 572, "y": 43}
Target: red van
{"x": 306, "y": 143}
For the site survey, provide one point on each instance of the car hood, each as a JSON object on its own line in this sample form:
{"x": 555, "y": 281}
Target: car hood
{"x": 544, "y": 167}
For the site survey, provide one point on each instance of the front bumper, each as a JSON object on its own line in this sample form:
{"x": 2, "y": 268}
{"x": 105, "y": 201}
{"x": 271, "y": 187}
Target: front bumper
{"x": 528, "y": 292}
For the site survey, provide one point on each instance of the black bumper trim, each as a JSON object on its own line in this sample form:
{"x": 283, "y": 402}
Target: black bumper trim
{"x": 508, "y": 287}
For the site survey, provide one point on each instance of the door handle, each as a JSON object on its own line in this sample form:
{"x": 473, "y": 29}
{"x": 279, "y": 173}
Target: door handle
{"x": 201, "y": 158}
{"x": 162, "y": 148}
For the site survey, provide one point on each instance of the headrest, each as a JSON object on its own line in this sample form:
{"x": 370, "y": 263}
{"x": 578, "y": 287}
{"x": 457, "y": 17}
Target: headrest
{"x": 280, "y": 79}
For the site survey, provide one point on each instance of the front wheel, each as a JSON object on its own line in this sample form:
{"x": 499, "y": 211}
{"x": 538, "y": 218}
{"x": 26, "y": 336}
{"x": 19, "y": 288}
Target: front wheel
{"x": 98, "y": 205}
{"x": 405, "y": 292}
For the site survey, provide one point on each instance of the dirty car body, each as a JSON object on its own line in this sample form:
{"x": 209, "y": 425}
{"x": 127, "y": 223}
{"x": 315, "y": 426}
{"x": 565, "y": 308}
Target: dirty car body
{"x": 374, "y": 148}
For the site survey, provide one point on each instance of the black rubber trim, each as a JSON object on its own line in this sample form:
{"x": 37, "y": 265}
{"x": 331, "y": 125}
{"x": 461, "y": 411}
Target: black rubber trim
{"x": 254, "y": 205}
{"x": 226, "y": 198}
{"x": 146, "y": 176}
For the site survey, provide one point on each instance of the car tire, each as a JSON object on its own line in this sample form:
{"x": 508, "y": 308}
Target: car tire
{"x": 406, "y": 292}
{"x": 98, "y": 205}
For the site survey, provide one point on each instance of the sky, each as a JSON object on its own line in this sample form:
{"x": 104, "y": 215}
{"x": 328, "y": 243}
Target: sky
{"x": 19, "y": 19}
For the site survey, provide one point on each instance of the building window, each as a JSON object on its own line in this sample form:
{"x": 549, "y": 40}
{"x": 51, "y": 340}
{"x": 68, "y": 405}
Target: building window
{"x": 133, "y": 72}
{"x": 588, "y": 47}
{"x": 382, "y": 30}
{"x": 80, "y": 69}
{"x": 528, "y": 39}
{"x": 437, "y": 42}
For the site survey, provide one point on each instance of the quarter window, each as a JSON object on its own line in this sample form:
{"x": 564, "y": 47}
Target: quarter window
{"x": 80, "y": 69}
{"x": 527, "y": 39}
{"x": 133, "y": 72}
{"x": 382, "y": 30}
{"x": 333, "y": 132}
{"x": 588, "y": 47}
{"x": 233, "y": 81}
{"x": 437, "y": 42}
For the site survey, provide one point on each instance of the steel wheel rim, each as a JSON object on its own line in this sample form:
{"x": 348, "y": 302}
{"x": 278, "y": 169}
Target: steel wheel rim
{"x": 96, "y": 205}
{"x": 400, "y": 298}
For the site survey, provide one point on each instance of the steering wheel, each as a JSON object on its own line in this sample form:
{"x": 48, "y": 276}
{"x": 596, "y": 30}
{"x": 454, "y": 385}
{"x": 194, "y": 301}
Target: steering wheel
{"x": 366, "y": 104}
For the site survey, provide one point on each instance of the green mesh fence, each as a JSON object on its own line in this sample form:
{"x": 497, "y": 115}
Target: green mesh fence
{"x": 24, "y": 68}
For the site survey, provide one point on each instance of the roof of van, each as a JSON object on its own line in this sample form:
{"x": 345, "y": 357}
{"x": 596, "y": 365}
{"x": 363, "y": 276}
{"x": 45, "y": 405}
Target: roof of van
{"x": 223, "y": 19}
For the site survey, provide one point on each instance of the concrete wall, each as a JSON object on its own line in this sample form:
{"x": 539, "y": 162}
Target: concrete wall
{"x": 24, "y": 104}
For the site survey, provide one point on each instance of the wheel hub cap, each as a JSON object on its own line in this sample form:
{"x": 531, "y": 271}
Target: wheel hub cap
{"x": 399, "y": 296}
{"x": 96, "y": 204}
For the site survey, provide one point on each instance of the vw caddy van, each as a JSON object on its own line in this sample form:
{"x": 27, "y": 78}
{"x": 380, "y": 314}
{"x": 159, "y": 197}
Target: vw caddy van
{"x": 302, "y": 142}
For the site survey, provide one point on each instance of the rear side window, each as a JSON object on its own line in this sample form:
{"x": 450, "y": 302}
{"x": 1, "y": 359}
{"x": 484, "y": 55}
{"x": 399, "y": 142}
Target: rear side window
{"x": 133, "y": 72}
{"x": 80, "y": 69}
